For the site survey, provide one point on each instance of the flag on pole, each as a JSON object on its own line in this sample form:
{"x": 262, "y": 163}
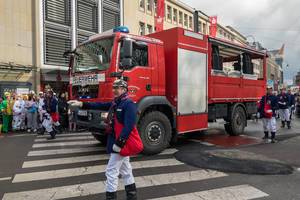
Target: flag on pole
{"x": 213, "y": 26}
{"x": 160, "y": 14}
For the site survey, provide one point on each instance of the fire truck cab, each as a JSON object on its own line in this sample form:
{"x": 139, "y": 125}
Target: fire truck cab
{"x": 180, "y": 80}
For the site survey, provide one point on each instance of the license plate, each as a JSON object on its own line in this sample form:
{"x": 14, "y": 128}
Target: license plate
{"x": 82, "y": 112}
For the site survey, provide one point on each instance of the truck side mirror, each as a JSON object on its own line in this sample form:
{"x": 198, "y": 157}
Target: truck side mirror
{"x": 127, "y": 46}
{"x": 126, "y": 63}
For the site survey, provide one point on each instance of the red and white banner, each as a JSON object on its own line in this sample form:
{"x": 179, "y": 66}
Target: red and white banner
{"x": 160, "y": 14}
{"x": 213, "y": 26}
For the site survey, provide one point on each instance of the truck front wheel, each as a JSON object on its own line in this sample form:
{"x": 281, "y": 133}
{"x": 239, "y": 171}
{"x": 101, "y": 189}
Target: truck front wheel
{"x": 237, "y": 123}
{"x": 155, "y": 130}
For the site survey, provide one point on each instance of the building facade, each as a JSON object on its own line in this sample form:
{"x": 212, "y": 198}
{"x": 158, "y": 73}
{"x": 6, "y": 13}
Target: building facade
{"x": 177, "y": 14}
{"x": 34, "y": 38}
{"x": 18, "y": 68}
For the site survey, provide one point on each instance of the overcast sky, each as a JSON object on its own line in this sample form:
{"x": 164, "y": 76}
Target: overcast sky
{"x": 271, "y": 22}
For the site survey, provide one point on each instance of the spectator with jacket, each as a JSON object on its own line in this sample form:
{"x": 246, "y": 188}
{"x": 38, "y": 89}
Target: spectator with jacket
{"x": 267, "y": 107}
{"x": 283, "y": 104}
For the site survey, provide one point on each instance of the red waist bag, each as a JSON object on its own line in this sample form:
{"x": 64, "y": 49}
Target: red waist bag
{"x": 54, "y": 116}
{"x": 133, "y": 145}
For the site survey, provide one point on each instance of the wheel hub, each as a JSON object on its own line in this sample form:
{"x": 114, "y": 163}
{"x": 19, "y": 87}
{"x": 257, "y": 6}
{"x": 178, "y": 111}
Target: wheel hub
{"x": 154, "y": 133}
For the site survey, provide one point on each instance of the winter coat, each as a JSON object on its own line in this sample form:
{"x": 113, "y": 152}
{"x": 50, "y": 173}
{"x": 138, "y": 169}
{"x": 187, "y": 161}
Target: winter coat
{"x": 273, "y": 103}
{"x": 125, "y": 112}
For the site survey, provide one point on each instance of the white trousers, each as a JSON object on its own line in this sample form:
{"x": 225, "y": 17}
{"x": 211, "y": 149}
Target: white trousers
{"x": 284, "y": 114}
{"x": 118, "y": 164}
{"x": 269, "y": 124}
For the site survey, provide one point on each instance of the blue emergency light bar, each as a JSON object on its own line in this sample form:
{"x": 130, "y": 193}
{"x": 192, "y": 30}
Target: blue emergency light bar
{"x": 122, "y": 29}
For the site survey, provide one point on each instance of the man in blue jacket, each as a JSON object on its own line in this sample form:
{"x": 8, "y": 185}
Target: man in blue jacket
{"x": 284, "y": 113}
{"x": 124, "y": 110}
{"x": 292, "y": 102}
{"x": 269, "y": 123}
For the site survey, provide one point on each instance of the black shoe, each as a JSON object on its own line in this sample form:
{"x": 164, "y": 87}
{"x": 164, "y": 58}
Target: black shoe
{"x": 111, "y": 195}
{"x": 273, "y": 140}
{"x": 289, "y": 124}
{"x": 282, "y": 124}
{"x": 131, "y": 192}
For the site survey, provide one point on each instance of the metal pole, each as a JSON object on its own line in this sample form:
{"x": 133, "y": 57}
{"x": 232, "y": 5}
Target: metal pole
{"x": 73, "y": 24}
{"x": 100, "y": 17}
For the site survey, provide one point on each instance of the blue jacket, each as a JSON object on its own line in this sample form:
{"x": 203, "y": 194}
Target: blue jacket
{"x": 283, "y": 101}
{"x": 50, "y": 105}
{"x": 126, "y": 114}
{"x": 291, "y": 98}
{"x": 274, "y": 104}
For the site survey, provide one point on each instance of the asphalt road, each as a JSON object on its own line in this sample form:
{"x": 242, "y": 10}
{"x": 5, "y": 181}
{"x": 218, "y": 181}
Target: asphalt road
{"x": 72, "y": 167}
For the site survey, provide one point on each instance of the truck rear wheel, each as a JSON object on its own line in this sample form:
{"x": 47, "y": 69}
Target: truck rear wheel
{"x": 237, "y": 123}
{"x": 155, "y": 130}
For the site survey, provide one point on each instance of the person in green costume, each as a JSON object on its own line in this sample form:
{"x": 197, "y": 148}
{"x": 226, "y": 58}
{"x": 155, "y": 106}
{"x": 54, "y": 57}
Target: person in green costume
{"x": 6, "y": 112}
{"x": 1, "y": 100}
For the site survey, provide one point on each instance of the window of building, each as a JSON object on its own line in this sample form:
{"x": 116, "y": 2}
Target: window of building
{"x": 169, "y": 13}
{"x": 155, "y": 7}
{"x": 142, "y": 28}
{"x": 87, "y": 15}
{"x": 185, "y": 20}
{"x": 200, "y": 26}
{"x": 180, "y": 17}
{"x": 58, "y": 11}
{"x": 142, "y": 5}
{"x": 149, "y": 29}
{"x": 204, "y": 28}
{"x": 190, "y": 22}
{"x": 175, "y": 16}
{"x": 149, "y": 5}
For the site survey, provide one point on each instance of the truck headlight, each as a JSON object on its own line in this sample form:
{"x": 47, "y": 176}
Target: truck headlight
{"x": 104, "y": 115}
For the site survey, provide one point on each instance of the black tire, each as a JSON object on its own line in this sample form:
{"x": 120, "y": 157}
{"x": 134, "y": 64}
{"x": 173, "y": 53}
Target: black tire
{"x": 237, "y": 123}
{"x": 101, "y": 138}
{"x": 155, "y": 131}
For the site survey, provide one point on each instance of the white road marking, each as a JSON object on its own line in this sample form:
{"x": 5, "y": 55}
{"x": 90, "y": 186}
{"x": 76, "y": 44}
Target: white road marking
{"x": 77, "y": 159}
{"x": 240, "y": 192}
{"x": 61, "y": 144}
{"x": 99, "y": 187}
{"x": 63, "y": 173}
{"x": 65, "y": 134}
{"x": 66, "y": 138}
{"x": 81, "y": 150}
{"x": 5, "y": 178}
{"x": 64, "y": 151}
{"x": 60, "y": 161}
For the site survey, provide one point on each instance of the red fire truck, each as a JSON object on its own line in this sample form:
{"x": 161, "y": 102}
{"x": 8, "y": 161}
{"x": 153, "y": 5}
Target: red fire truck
{"x": 180, "y": 81}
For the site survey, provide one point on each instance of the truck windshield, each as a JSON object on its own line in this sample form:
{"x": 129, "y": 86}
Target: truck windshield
{"x": 94, "y": 55}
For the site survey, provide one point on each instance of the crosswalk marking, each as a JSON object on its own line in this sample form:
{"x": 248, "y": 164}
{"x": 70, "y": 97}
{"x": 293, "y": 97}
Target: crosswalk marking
{"x": 76, "y": 159}
{"x": 240, "y": 192}
{"x": 65, "y": 151}
{"x": 80, "y": 150}
{"x": 63, "y": 173}
{"x": 60, "y": 161}
{"x": 66, "y": 138}
{"x": 5, "y": 178}
{"x": 59, "y": 144}
{"x": 66, "y": 134}
{"x": 99, "y": 187}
